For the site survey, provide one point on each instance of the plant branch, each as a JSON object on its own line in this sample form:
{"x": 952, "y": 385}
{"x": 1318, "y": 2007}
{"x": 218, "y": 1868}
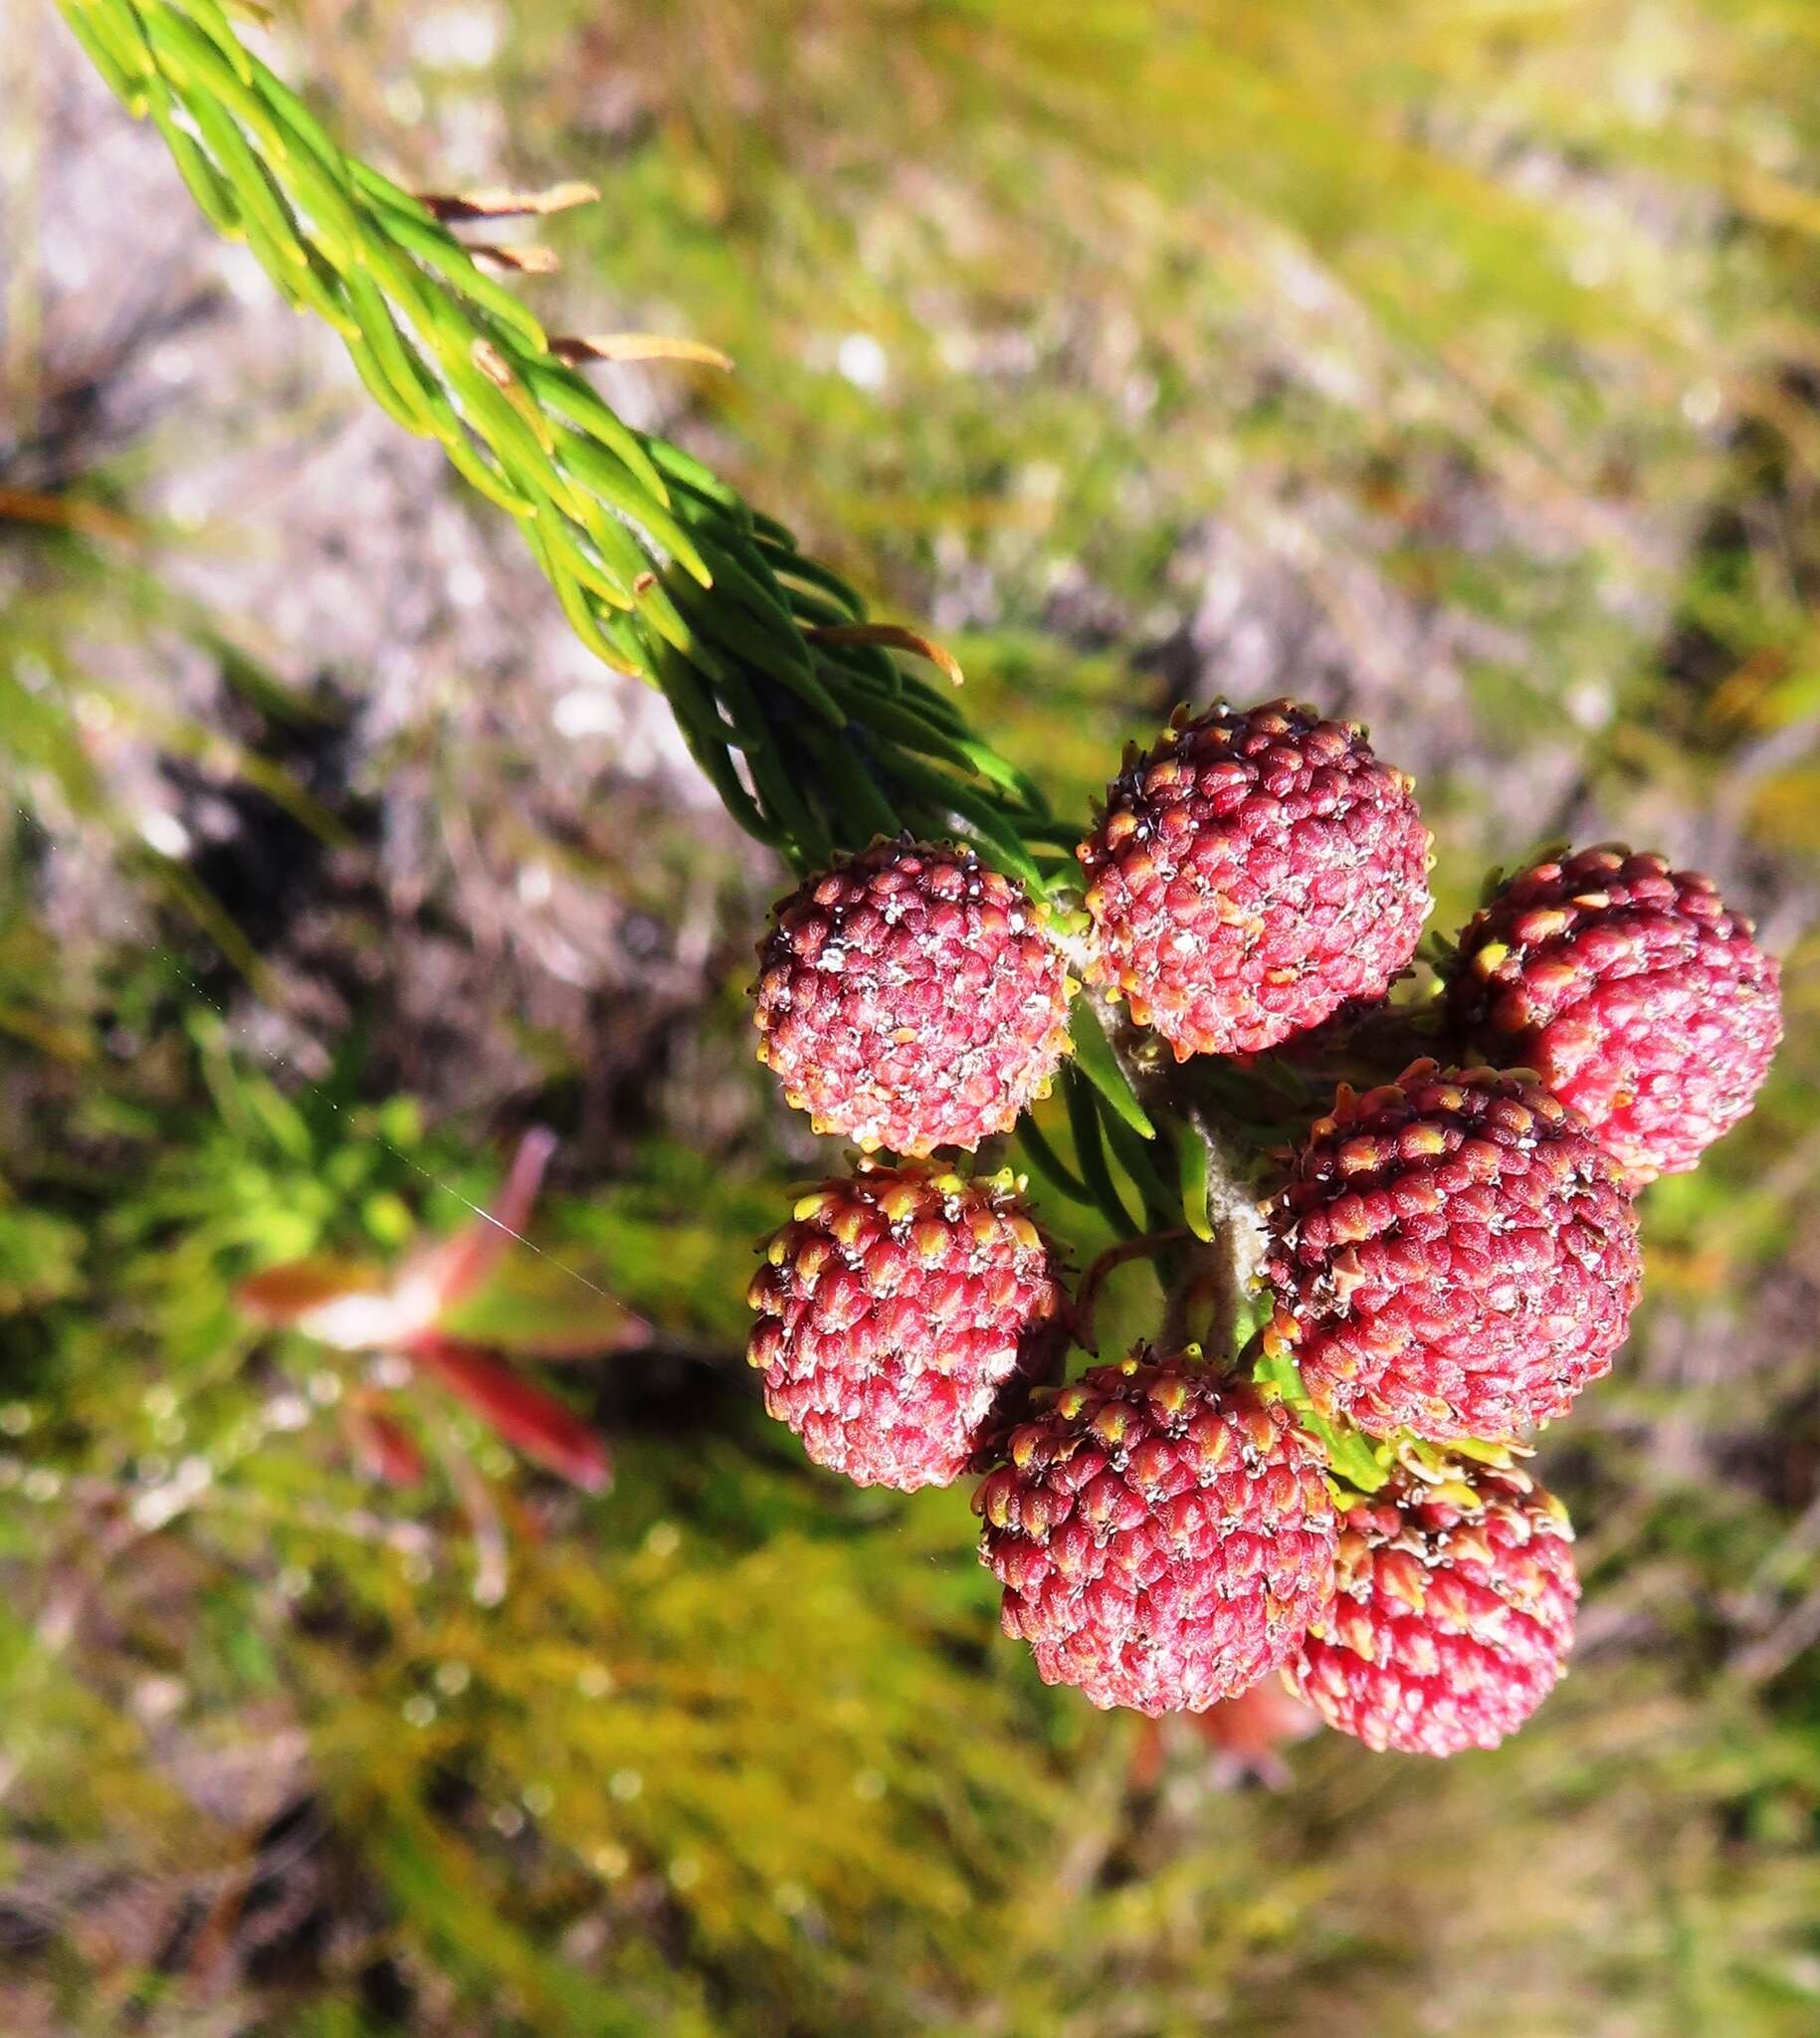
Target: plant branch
{"x": 785, "y": 692}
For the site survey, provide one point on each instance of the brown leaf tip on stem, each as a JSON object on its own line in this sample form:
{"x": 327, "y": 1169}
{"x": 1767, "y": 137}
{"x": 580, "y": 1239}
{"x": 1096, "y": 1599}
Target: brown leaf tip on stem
{"x": 895, "y": 637}
{"x": 579, "y": 348}
{"x": 495, "y": 201}
{"x": 492, "y": 364}
{"x": 530, "y": 258}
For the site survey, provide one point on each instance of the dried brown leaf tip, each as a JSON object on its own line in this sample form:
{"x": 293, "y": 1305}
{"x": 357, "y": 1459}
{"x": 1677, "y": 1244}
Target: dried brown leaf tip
{"x": 495, "y": 201}
{"x": 894, "y": 637}
{"x": 581, "y": 348}
{"x": 492, "y": 364}
{"x": 532, "y": 258}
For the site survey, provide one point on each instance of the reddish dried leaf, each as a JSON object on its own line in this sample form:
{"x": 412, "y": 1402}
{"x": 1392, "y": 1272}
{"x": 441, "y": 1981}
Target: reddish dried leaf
{"x": 1246, "y": 1737}
{"x": 1146, "y": 1768}
{"x": 453, "y": 1268}
{"x": 383, "y": 1447}
{"x": 524, "y": 1415}
{"x": 1251, "y": 1731}
{"x": 286, "y": 1294}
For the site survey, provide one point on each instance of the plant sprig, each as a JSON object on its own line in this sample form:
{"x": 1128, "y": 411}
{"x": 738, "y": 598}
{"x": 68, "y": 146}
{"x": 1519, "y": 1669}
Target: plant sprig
{"x": 787, "y": 695}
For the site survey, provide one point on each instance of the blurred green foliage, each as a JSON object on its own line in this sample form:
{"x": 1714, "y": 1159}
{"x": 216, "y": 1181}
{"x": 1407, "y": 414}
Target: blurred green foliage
{"x": 1500, "y": 314}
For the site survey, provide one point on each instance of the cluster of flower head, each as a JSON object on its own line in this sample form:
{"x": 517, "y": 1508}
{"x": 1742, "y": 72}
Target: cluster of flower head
{"x": 1451, "y": 1257}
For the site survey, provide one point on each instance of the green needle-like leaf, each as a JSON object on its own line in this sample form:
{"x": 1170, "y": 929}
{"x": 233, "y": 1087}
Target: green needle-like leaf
{"x": 1095, "y": 1059}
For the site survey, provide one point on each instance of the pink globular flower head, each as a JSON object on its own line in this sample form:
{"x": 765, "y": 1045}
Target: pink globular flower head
{"x": 1253, "y": 874}
{"x": 903, "y": 1313}
{"x": 1634, "y": 994}
{"x": 1452, "y": 1618}
{"x": 1451, "y": 1253}
{"x": 910, "y": 998}
{"x": 1164, "y": 1536}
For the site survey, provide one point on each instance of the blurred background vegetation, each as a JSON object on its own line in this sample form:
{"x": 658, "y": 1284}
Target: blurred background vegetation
{"x": 1454, "y": 365}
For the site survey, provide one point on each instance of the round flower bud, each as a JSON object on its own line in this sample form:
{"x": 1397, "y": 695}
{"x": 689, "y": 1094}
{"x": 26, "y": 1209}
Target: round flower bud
{"x": 1632, "y": 992}
{"x": 1451, "y": 1253}
{"x": 1251, "y": 875}
{"x": 1453, "y": 1617}
{"x": 902, "y": 1314}
{"x": 910, "y": 998}
{"x": 1164, "y": 1536}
